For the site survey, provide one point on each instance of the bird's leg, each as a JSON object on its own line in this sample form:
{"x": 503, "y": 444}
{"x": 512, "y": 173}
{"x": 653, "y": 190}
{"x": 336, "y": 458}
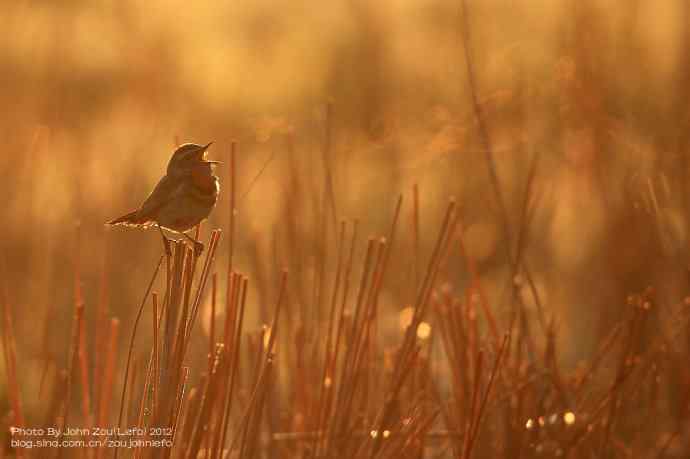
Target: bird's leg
{"x": 166, "y": 242}
{"x": 198, "y": 246}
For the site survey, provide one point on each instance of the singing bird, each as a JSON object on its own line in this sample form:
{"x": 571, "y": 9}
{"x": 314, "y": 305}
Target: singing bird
{"x": 183, "y": 197}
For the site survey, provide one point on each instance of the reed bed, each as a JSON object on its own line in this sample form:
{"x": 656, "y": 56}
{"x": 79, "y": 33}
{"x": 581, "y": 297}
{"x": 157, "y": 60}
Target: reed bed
{"x": 461, "y": 381}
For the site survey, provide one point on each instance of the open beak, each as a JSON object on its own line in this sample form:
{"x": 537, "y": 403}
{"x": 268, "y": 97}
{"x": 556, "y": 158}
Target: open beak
{"x": 203, "y": 153}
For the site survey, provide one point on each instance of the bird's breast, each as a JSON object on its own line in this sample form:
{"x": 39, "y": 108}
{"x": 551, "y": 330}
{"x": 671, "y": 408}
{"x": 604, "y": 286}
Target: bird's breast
{"x": 204, "y": 182}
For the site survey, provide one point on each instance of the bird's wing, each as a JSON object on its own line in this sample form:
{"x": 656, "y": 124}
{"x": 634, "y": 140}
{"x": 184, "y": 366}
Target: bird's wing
{"x": 163, "y": 193}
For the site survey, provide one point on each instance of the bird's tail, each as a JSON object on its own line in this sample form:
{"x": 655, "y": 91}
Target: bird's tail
{"x": 131, "y": 219}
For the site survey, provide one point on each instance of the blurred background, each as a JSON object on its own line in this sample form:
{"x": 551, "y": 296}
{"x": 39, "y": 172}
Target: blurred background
{"x": 372, "y": 97}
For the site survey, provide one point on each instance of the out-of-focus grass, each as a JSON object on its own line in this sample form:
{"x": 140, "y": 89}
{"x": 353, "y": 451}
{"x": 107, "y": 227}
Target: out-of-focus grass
{"x": 458, "y": 380}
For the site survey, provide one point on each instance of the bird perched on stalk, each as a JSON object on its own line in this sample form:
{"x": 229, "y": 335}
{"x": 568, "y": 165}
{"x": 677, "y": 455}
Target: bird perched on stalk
{"x": 183, "y": 197}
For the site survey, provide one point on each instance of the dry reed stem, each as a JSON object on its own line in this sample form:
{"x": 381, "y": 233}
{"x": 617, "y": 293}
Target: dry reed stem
{"x": 84, "y": 373}
{"x": 426, "y": 288}
{"x": 108, "y": 378}
{"x": 251, "y": 418}
{"x": 180, "y": 410}
{"x": 331, "y": 361}
{"x": 130, "y": 408}
{"x": 415, "y": 234}
{"x": 131, "y": 345}
{"x": 234, "y": 368}
{"x": 212, "y": 322}
{"x": 234, "y": 344}
{"x": 241, "y": 434}
{"x": 155, "y": 380}
{"x": 477, "y": 286}
{"x": 100, "y": 336}
{"x": 469, "y": 423}
{"x": 72, "y": 365}
{"x": 9, "y": 346}
{"x": 208, "y": 399}
{"x": 480, "y": 413}
{"x": 408, "y": 352}
{"x": 230, "y": 307}
{"x": 349, "y": 372}
{"x": 208, "y": 262}
{"x": 323, "y": 387}
{"x": 232, "y": 171}
{"x": 327, "y": 162}
{"x": 483, "y": 127}
{"x": 150, "y": 375}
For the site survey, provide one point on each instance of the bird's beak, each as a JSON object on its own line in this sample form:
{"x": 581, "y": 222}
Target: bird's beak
{"x": 212, "y": 162}
{"x": 202, "y": 151}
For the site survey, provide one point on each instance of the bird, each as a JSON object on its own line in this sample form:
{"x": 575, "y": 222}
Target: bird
{"x": 182, "y": 199}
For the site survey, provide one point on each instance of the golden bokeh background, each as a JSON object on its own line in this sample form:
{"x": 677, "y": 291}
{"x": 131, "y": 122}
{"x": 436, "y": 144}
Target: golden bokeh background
{"x": 95, "y": 96}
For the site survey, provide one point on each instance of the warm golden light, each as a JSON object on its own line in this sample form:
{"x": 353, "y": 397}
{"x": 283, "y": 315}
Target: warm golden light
{"x": 569, "y": 418}
{"x": 405, "y": 317}
{"x": 267, "y": 336}
{"x": 339, "y": 131}
{"x": 423, "y": 330}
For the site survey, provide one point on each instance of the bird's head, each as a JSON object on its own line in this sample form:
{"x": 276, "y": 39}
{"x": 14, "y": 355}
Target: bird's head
{"x": 189, "y": 157}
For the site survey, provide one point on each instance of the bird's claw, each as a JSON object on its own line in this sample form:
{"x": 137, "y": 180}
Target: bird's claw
{"x": 198, "y": 248}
